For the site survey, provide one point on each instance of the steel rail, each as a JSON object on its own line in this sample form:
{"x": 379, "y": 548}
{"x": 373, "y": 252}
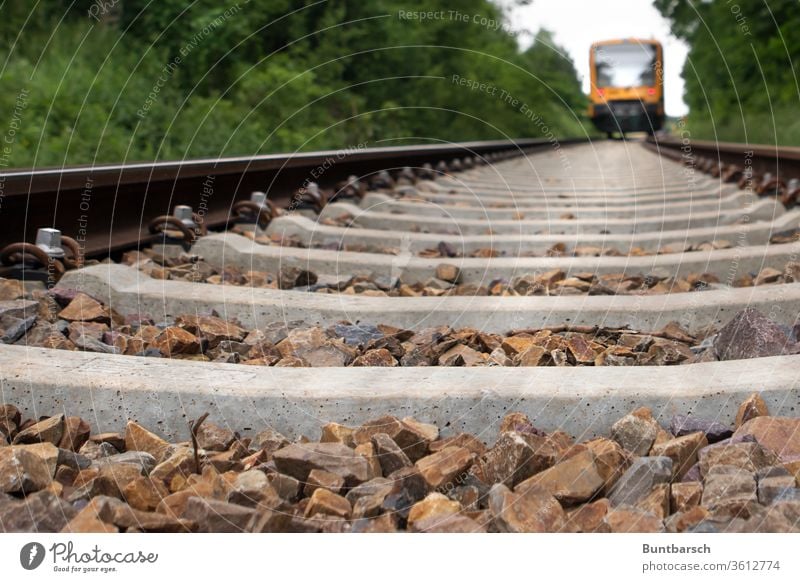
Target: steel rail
{"x": 108, "y": 207}
{"x": 783, "y": 162}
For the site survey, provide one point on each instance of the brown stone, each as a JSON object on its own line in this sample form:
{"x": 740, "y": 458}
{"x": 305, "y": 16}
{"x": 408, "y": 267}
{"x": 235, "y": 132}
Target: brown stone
{"x": 23, "y": 471}
{"x": 270, "y": 440}
{"x": 215, "y": 516}
{"x": 636, "y": 431}
{"x": 582, "y": 350}
{"x": 390, "y": 455}
{"x": 367, "y": 499}
{"x": 85, "y": 308}
{"x": 588, "y": 518}
{"x": 144, "y": 493}
{"x": 640, "y": 478}
{"x": 752, "y": 407}
{"x": 435, "y": 507}
{"x": 456, "y": 523}
{"x": 684, "y": 496}
{"x": 682, "y": 450}
{"x": 270, "y": 521}
{"x": 42, "y": 512}
{"x": 88, "y": 521}
{"x": 748, "y": 456}
{"x": 316, "y": 348}
{"x": 132, "y": 519}
{"x": 175, "y": 503}
{"x": 532, "y": 356}
{"x": 115, "y": 439}
{"x": 290, "y": 277}
{"x": 415, "y": 437}
{"x": 573, "y": 480}
{"x": 514, "y": 458}
{"x": 47, "y": 453}
{"x": 11, "y": 289}
{"x": 76, "y": 433}
{"x": 725, "y": 484}
{"x": 213, "y": 437}
{"x": 611, "y": 460}
{"x": 780, "y": 435}
{"x": 323, "y": 479}
{"x": 533, "y": 511}
{"x": 367, "y": 450}
{"x": 465, "y": 440}
{"x": 253, "y": 489}
{"x": 441, "y": 468}
{"x": 337, "y": 433}
{"x": 633, "y": 520}
{"x": 410, "y": 435}
{"x": 138, "y": 438}
{"x": 298, "y": 460}
{"x": 447, "y": 272}
{"x": 684, "y": 520}
{"x": 180, "y": 463}
{"x": 290, "y": 362}
{"x": 461, "y": 355}
{"x": 212, "y": 329}
{"x": 376, "y": 358}
{"x": 519, "y": 422}
{"x": 771, "y": 489}
{"x": 49, "y": 430}
{"x": 516, "y": 344}
{"x": 327, "y": 503}
{"x": 657, "y": 501}
{"x": 174, "y": 340}
{"x": 384, "y": 523}
{"x": 10, "y": 419}
{"x": 112, "y": 479}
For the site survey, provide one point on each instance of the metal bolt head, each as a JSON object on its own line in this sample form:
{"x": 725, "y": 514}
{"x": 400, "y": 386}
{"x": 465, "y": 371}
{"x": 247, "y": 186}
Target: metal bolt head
{"x": 49, "y": 240}
{"x": 259, "y": 198}
{"x": 183, "y": 213}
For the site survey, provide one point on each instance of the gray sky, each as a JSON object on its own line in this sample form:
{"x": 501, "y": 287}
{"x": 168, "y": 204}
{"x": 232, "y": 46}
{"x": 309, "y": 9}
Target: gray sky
{"x": 576, "y": 24}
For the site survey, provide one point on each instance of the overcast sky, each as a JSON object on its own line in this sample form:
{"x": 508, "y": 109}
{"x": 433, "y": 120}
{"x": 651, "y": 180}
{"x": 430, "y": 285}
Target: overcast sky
{"x": 576, "y": 24}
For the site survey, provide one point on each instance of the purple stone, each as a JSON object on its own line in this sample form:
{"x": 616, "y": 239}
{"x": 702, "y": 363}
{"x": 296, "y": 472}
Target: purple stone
{"x": 715, "y": 431}
{"x": 751, "y": 334}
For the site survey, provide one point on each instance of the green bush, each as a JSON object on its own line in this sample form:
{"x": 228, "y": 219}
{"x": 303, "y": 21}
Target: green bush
{"x": 174, "y": 80}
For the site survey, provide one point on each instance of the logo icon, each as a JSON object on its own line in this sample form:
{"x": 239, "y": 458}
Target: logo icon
{"x": 31, "y": 555}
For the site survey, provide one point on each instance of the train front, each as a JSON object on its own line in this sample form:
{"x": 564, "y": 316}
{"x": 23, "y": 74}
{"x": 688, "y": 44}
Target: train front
{"x": 627, "y": 92}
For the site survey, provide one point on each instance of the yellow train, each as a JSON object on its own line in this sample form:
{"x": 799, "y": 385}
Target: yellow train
{"x": 627, "y": 89}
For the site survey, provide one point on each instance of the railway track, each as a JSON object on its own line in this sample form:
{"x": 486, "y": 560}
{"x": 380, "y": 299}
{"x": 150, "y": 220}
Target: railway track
{"x": 547, "y": 342}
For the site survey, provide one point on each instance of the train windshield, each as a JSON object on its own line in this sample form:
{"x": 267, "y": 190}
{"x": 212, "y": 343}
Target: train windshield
{"x": 625, "y": 65}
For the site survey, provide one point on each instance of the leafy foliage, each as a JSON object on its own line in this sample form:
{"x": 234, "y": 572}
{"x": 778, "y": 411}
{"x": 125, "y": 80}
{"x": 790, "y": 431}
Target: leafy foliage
{"x": 741, "y": 82}
{"x": 114, "y": 80}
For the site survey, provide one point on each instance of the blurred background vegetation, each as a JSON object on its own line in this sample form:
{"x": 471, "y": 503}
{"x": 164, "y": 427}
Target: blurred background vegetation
{"x": 741, "y": 79}
{"x": 100, "y": 81}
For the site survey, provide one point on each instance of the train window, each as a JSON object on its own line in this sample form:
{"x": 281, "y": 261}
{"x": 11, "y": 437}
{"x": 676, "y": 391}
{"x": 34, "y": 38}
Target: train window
{"x": 625, "y": 65}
